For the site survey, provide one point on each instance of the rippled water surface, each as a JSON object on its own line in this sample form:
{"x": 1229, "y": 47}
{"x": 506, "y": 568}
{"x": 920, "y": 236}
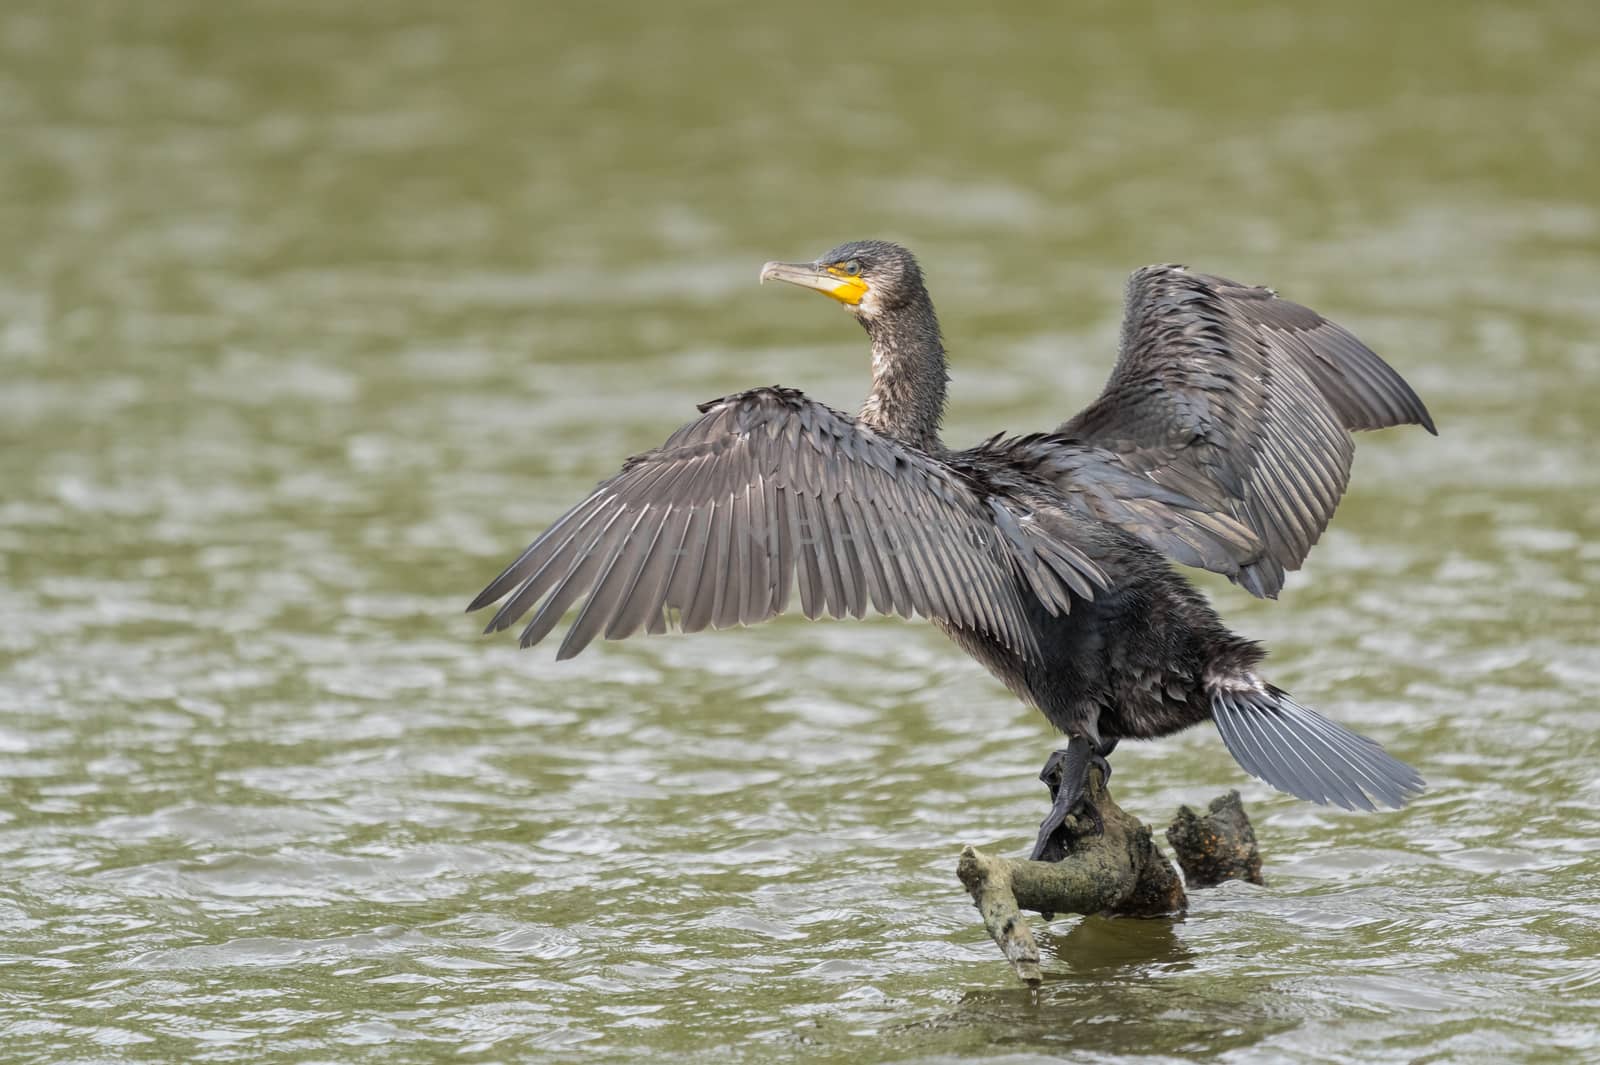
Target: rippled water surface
{"x": 312, "y": 314}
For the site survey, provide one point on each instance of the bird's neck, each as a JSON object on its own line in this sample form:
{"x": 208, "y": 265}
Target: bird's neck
{"x": 908, "y": 376}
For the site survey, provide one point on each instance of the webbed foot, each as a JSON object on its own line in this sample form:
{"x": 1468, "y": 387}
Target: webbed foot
{"x": 1066, "y": 774}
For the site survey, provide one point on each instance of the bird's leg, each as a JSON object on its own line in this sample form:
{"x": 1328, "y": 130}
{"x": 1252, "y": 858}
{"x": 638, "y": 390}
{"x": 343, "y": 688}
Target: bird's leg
{"x": 1066, "y": 774}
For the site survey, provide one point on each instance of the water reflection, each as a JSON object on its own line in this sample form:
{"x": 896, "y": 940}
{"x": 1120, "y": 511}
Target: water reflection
{"x": 1099, "y": 947}
{"x": 1117, "y": 986}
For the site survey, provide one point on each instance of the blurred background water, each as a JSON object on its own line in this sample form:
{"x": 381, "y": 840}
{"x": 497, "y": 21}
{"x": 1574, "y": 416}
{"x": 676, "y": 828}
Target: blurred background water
{"x": 312, "y": 314}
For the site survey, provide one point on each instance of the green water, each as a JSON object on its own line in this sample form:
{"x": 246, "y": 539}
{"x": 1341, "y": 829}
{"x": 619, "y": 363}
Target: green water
{"x": 311, "y": 314}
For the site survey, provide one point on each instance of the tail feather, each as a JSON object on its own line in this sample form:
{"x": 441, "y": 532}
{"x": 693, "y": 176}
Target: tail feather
{"x": 1297, "y": 750}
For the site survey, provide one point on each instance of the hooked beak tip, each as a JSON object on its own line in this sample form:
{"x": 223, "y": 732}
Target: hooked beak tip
{"x": 847, "y": 290}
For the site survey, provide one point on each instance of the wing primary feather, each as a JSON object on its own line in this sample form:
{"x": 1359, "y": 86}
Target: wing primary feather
{"x": 1295, "y": 516}
{"x": 1309, "y": 478}
{"x": 955, "y": 540}
{"x": 822, "y": 537}
{"x": 625, "y": 554}
{"x": 643, "y": 597}
{"x": 898, "y": 568}
{"x": 926, "y": 581}
{"x": 870, "y": 550}
{"x": 847, "y": 566}
{"x": 579, "y": 577}
{"x": 740, "y": 594}
{"x": 688, "y": 580}
{"x": 803, "y": 538}
{"x": 783, "y": 547}
{"x": 551, "y": 572}
{"x": 536, "y": 553}
{"x": 715, "y": 578}
{"x": 686, "y": 554}
{"x": 757, "y": 537}
{"x": 947, "y": 576}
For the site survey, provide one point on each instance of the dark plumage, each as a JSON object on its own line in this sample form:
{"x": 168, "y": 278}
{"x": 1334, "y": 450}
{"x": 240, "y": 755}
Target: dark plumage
{"x": 1222, "y": 440}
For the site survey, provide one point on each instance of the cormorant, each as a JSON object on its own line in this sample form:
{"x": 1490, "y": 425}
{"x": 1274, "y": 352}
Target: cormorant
{"x": 1222, "y": 440}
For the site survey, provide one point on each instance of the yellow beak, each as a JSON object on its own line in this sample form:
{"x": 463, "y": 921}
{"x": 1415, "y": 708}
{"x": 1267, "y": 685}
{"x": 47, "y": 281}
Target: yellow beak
{"x": 828, "y": 280}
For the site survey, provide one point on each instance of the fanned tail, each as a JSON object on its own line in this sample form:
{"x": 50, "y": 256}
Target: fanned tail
{"x": 1297, "y": 750}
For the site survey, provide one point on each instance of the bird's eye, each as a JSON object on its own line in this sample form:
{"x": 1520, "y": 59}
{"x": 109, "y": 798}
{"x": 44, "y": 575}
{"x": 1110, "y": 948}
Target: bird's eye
{"x": 852, "y": 266}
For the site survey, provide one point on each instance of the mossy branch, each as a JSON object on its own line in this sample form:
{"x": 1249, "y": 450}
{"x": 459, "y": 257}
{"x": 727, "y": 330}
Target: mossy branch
{"x": 1118, "y": 872}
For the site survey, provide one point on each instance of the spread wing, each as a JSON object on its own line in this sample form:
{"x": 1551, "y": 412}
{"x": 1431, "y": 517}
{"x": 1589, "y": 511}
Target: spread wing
{"x": 1244, "y": 403}
{"x": 1097, "y": 484}
{"x": 769, "y": 489}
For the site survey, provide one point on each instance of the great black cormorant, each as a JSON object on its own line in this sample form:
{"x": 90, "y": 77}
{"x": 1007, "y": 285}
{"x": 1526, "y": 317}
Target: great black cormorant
{"x": 1222, "y": 441}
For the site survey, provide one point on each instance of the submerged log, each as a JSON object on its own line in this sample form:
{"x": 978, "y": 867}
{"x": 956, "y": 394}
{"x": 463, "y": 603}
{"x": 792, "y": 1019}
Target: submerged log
{"x": 1116, "y": 872}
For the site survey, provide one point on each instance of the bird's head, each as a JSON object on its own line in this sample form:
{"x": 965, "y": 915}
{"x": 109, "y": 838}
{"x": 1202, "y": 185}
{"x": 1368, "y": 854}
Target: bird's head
{"x": 871, "y": 277}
